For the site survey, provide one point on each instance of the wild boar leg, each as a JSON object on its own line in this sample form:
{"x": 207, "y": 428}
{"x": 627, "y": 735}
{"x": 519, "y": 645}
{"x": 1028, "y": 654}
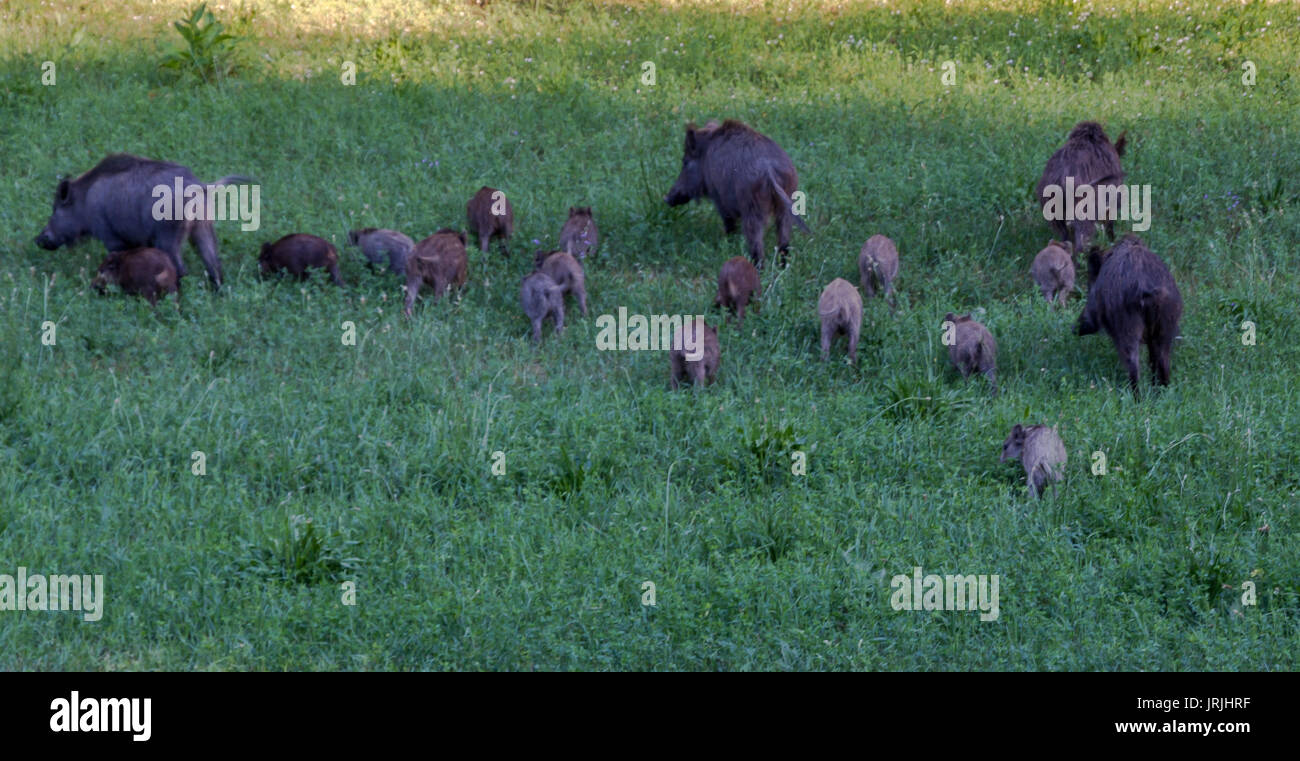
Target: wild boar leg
{"x": 204, "y": 239}
{"x": 753, "y": 226}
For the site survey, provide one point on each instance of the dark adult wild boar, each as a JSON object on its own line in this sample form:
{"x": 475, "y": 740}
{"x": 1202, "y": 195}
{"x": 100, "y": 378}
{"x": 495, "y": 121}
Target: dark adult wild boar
{"x": 1053, "y": 271}
{"x": 695, "y": 354}
{"x": 542, "y": 297}
{"x": 878, "y": 266}
{"x": 490, "y": 215}
{"x": 747, "y": 176}
{"x": 114, "y": 202}
{"x": 566, "y": 272}
{"x": 971, "y": 347}
{"x": 579, "y": 235}
{"x": 737, "y": 281}
{"x": 148, "y": 272}
{"x": 1090, "y": 159}
{"x": 439, "y": 261}
{"x": 1040, "y": 451}
{"x": 840, "y": 308}
{"x": 380, "y": 246}
{"x": 1132, "y": 297}
{"x": 296, "y": 252}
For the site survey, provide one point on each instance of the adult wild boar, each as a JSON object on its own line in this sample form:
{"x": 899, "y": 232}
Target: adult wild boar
{"x": 490, "y": 215}
{"x": 737, "y": 281}
{"x": 147, "y": 272}
{"x": 296, "y": 252}
{"x": 1133, "y": 297}
{"x": 542, "y": 297}
{"x": 1040, "y": 451}
{"x": 1088, "y": 158}
{"x": 747, "y": 176}
{"x": 695, "y": 354}
{"x": 971, "y": 347}
{"x": 840, "y": 308}
{"x": 579, "y": 236}
{"x": 878, "y": 266}
{"x": 114, "y": 202}
{"x": 379, "y": 246}
{"x": 439, "y": 261}
{"x": 1053, "y": 271}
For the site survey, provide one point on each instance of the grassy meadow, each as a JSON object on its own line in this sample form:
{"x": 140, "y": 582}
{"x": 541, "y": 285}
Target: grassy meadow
{"x": 372, "y": 463}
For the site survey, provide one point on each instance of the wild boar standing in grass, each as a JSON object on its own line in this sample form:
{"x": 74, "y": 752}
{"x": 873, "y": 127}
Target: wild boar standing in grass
{"x": 1090, "y": 159}
{"x": 579, "y": 236}
{"x": 695, "y": 354}
{"x": 878, "y": 266}
{"x": 296, "y": 252}
{"x": 737, "y": 281}
{"x": 147, "y": 272}
{"x": 1053, "y": 271}
{"x": 438, "y": 261}
{"x": 1132, "y": 296}
{"x": 381, "y": 246}
{"x": 840, "y": 309}
{"x": 490, "y": 215}
{"x": 567, "y": 272}
{"x": 971, "y": 347}
{"x": 1040, "y": 451}
{"x": 747, "y": 176}
{"x": 115, "y": 203}
{"x": 542, "y": 297}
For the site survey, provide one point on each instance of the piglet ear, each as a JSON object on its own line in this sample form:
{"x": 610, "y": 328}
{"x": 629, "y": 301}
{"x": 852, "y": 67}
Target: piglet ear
{"x": 573, "y": 210}
{"x": 691, "y": 140}
{"x": 63, "y": 191}
{"x": 950, "y": 317}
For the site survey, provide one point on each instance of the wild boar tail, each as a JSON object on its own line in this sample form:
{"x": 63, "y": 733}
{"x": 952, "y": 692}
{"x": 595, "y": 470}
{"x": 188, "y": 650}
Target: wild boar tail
{"x": 787, "y": 206}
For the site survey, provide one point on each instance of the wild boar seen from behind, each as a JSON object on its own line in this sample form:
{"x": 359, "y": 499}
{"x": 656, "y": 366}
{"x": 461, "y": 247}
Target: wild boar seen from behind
{"x": 490, "y": 215}
{"x": 695, "y": 354}
{"x": 439, "y": 261}
{"x": 1053, "y": 271}
{"x": 147, "y": 272}
{"x": 749, "y": 178}
{"x": 840, "y": 309}
{"x": 567, "y": 272}
{"x": 1090, "y": 159}
{"x": 542, "y": 297}
{"x": 971, "y": 347}
{"x": 579, "y": 236}
{"x": 878, "y": 266}
{"x": 1042, "y": 453}
{"x": 737, "y": 281}
{"x": 1132, "y": 296}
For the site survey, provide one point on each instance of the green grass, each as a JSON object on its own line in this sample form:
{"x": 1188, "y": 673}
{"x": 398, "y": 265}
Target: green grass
{"x": 612, "y": 480}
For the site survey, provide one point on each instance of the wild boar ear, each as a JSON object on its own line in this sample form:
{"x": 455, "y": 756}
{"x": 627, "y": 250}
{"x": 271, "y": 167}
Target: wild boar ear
{"x": 950, "y": 317}
{"x": 573, "y": 210}
{"x": 63, "y": 191}
{"x": 692, "y": 141}
{"x": 1068, "y": 246}
{"x": 463, "y": 238}
{"x": 1017, "y": 431}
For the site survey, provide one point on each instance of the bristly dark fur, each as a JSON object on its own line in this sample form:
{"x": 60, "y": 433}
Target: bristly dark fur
{"x": 747, "y": 176}
{"x": 1089, "y": 157}
{"x": 1132, "y": 296}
